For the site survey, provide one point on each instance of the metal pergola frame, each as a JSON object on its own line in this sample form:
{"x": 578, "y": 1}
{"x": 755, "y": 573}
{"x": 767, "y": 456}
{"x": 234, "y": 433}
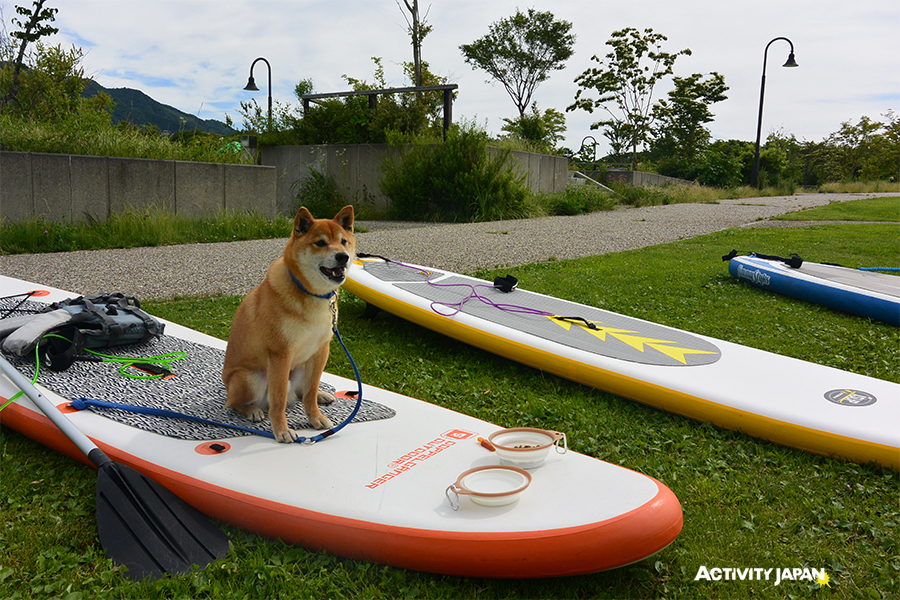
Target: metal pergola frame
{"x": 373, "y": 98}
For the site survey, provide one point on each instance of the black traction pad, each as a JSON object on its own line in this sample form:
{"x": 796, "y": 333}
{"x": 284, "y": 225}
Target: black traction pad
{"x": 196, "y": 390}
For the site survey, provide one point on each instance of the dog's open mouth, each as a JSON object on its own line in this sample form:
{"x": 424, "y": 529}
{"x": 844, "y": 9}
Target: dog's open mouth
{"x": 336, "y": 274}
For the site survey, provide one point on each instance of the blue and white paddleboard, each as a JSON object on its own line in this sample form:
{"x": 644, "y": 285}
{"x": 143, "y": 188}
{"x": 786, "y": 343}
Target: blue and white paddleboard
{"x": 865, "y": 293}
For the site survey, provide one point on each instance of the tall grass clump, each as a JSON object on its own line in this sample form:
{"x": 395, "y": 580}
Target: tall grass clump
{"x": 860, "y": 187}
{"x": 90, "y": 133}
{"x": 576, "y": 200}
{"x": 133, "y": 229}
{"x": 460, "y": 180}
{"x": 652, "y": 195}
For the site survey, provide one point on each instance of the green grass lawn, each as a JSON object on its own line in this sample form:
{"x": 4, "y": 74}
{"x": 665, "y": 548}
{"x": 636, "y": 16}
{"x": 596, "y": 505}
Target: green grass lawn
{"x": 747, "y": 503}
{"x": 886, "y": 208}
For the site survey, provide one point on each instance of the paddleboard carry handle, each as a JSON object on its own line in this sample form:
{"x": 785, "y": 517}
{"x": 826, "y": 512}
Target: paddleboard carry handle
{"x": 577, "y": 320}
{"x": 794, "y": 262}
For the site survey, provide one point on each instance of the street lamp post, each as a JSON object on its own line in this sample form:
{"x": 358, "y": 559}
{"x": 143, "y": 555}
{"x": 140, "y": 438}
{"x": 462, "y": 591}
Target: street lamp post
{"x": 251, "y": 85}
{"x": 754, "y": 175}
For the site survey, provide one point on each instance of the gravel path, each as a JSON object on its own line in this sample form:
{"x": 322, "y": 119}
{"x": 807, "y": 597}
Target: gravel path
{"x": 237, "y": 267}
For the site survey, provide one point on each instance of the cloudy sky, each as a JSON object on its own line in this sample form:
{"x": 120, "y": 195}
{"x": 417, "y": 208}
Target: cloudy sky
{"x": 195, "y": 55}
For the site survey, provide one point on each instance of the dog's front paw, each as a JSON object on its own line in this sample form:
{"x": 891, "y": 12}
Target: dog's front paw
{"x": 324, "y": 398}
{"x": 256, "y": 414}
{"x": 320, "y": 421}
{"x": 285, "y": 436}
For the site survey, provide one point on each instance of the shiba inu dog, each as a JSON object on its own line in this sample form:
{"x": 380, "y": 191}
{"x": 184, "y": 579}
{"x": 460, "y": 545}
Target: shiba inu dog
{"x": 282, "y": 329}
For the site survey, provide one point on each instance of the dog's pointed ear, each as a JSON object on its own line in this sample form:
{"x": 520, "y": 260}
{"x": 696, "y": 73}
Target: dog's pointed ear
{"x": 303, "y": 221}
{"x": 345, "y": 218}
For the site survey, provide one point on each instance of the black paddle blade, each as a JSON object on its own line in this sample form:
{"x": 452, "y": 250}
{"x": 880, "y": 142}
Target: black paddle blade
{"x": 150, "y": 530}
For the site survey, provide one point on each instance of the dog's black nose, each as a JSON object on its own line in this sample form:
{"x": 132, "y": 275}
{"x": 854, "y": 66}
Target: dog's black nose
{"x": 342, "y": 258}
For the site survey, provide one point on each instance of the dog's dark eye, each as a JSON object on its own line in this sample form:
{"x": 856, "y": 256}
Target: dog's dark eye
{"x": 321, "y": 243}
{"x": 344, "y": 242}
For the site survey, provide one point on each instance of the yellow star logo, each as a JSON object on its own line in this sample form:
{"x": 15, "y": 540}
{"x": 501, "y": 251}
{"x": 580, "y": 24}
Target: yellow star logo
{"x": 823, "y": 580}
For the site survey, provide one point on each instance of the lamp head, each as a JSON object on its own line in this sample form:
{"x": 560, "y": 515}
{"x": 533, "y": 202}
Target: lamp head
{"x": 790, "y": 61}
{"x": 251, "y": 84}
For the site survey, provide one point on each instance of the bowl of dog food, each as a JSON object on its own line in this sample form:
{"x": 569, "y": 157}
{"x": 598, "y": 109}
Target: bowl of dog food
{"x": 493, "y": 485}
{"x": 526, "y": 447}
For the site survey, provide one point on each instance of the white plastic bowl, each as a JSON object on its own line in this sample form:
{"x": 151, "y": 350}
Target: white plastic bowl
{"x": 493, "y": 485}
{"x": 526, "y": 447}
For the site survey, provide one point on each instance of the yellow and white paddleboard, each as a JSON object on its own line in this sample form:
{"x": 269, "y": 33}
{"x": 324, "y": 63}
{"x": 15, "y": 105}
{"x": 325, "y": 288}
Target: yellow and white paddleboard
{"x": 768, "y": 396}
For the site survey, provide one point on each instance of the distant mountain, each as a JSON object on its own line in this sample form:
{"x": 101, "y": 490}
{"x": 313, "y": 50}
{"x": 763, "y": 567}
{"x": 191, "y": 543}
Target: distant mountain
{"x": 137, "y": 107}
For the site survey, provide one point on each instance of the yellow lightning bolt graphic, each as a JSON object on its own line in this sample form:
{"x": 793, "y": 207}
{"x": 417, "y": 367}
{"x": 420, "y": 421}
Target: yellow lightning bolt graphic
{"x": 635, "y": 341}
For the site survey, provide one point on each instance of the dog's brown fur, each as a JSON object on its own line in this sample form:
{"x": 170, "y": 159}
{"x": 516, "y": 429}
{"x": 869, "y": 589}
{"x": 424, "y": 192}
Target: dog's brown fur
{"x": 281, "y": 334}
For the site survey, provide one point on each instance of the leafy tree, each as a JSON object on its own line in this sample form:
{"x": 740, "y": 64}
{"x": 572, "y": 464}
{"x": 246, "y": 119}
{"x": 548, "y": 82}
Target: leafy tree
{"x": 818, "y": 163}
{"x": 542, "y": 131}
{"x": 716, "y": 167}
{"x": 866, "y": 151}
{"x": 520, "y": 52}
{"x": 889, "y": 160}
{"x": 51, "y": 85}
{"x": 619, "y": 135}
{"x": 285, "y": 116}
{"x": 680, "y": 133}
{"x": 858, "y": 147}
{"x": 33, "y": 29}
{"x": 42, "y": 83}
{"x": 626, "y": 78}
{"x": 777, "y": 162}
{"x": 303, "y": 87}
{"x": 785, "y": 159}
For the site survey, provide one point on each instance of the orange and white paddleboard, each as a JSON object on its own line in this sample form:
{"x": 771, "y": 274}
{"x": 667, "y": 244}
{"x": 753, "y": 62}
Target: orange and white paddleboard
{"x": 414, "y": 487}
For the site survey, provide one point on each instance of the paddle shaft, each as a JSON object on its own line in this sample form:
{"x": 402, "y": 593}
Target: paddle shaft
{"x": 80, "y": 440}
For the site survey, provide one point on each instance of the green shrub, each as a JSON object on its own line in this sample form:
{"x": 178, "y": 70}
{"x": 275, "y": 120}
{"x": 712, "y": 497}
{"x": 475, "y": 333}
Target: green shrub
{"x": 460, "y": 180}
{"x": 718, "y": 169}
{"x": 578, "y": 199}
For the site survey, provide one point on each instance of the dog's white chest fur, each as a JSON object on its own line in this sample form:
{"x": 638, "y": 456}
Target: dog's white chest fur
{"x": 306, "y": 337}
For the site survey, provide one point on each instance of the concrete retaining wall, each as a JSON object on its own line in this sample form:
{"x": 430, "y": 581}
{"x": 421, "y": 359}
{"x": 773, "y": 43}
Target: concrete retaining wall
{"x": 355, "y": 169}
{"x": 542, "y": 172}
{"x": 68, "y": 188}
{"x": 635, "y": 178}
{"x": 63, "y": 187}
